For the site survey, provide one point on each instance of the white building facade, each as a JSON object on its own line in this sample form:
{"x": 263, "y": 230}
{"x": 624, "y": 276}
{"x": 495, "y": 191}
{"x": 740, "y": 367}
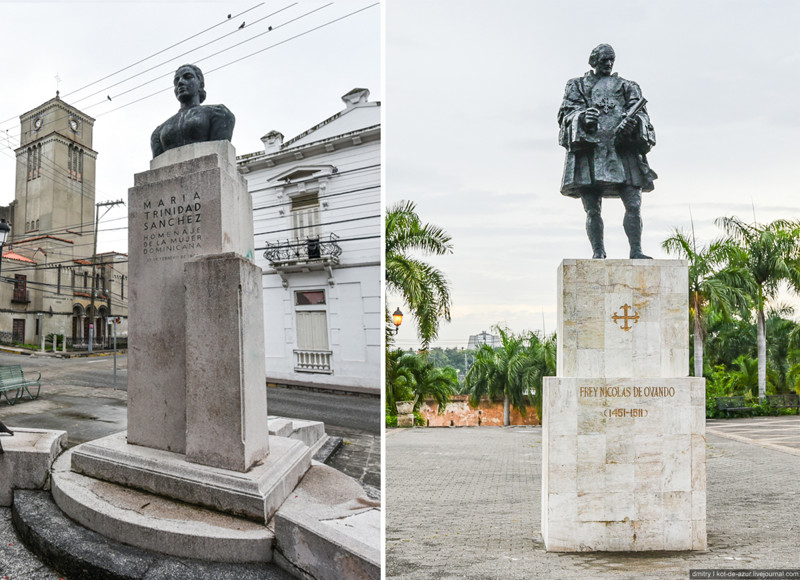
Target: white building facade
{"x": 317, "y": 222}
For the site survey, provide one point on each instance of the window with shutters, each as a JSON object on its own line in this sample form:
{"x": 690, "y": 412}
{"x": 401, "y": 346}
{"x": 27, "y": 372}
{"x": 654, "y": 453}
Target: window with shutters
{"x": 20, "y": 288}
{"x": 312, "y": 354}
{"x": 312, "y": 330}
{"x": 305, "y": 217}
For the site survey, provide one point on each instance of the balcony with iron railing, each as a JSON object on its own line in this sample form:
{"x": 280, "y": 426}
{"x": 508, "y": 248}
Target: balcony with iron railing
{"x": 312, "y": 361}
{"x": 308, "y": 254}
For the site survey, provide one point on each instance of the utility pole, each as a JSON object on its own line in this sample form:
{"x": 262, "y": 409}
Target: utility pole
{"x": 109, "y": 205}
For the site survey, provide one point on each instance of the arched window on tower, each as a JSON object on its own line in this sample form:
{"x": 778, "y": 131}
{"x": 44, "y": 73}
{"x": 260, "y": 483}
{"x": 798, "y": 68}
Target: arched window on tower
{"x": 75, "y": 163}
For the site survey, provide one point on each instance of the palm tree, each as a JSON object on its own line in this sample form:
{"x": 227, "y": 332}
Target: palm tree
{"x": 539, "y": 362}
{"x": 744, "y": 378}
{"x": 761, "y": 257}
{"x": 727, "y": 338}
{"x": 510, "y": 371}
{"x": 422, "y": 287}
{"x": 709, "y": 285}
{"x": 414, "y": 376}
{"x": 779, "y": 349}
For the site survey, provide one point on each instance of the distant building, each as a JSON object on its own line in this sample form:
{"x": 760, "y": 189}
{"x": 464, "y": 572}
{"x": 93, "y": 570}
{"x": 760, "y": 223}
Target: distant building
{"x": 484, "y": 337}
{"x": 47, "y": 267}
{"x": 317, "y": 222}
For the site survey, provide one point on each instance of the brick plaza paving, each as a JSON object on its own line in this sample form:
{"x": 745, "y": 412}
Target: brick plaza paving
{"x": 465, "y": 503}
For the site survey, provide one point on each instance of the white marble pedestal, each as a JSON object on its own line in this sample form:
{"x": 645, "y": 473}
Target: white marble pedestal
{"x": 623, "y": 424}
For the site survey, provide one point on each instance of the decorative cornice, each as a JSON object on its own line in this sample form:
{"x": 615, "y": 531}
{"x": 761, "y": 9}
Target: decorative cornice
{"x": 55, "y": 136}
{"x": 57, "y": 103}
{"x": 252, "y": 162}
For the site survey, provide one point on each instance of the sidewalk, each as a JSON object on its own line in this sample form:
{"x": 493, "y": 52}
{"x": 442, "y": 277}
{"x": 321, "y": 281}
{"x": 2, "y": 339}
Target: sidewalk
{"x": 779, "y": 433}
{"x": 465, "y": 503}
{"x": 61, "y": 354}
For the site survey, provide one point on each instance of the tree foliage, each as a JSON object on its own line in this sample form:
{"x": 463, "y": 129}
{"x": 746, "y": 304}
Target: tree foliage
{"x": 760, "y": 257}
{"x": 710, "y": 284}
{"x": 423, "y": 288}
{"x": 413, "y": 376}
{"x": 734, "y": 285}
{"x": 512, "y": 372}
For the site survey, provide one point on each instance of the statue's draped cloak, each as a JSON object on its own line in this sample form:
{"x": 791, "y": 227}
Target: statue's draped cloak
{"x": 600, "y": 160}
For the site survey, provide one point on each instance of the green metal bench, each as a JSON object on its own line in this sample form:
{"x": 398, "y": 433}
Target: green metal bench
{"x": 784, "y": 401}
{"x": 13, "y": 379}
{"x": 733, "y": 405}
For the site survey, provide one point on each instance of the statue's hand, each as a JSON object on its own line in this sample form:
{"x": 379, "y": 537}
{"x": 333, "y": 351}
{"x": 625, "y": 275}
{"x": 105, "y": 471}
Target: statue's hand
{"x": 628, "y": 126}
{"x": 590, "y": 117}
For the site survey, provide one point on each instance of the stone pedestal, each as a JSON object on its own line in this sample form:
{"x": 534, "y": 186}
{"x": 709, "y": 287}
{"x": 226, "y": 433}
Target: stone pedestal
{"x": 623, "y": 424}
{"x": 405, "y": 413}
{"x": 198, "y": 435}
{"x": 192, "y": 202}
{"x": 197, "y": 401}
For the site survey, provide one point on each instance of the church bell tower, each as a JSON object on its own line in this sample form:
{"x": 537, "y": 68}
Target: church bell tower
{"x": 55, "y": 182}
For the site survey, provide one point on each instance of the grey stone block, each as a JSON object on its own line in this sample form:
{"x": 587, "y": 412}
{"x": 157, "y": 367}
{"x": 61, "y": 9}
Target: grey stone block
{"x": 27, "y": 460}
{"x": 255, "y": 494}
{"x": 226, "y": 395}
{"x": 329, "y": 528}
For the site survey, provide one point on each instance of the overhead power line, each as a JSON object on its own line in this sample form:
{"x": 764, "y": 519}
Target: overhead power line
{"x": 206, "y": 73}
{"x": 155, "y": 66}
{"x": 222, "y": 22}
{"x": 163, "y": 50}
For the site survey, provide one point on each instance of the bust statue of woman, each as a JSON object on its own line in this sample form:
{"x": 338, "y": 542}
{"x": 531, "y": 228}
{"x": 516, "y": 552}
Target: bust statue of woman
{"x": 194, "y": 123}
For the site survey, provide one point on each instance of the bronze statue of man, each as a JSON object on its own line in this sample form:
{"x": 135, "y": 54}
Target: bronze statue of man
{"x": 607, "y": 134}
{"x": 194, "y": 123}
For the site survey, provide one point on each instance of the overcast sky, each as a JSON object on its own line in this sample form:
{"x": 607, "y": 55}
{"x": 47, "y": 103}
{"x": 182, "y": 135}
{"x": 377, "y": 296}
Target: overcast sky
{"x": 472, "y": 93}
{"x": 289, "y": 88}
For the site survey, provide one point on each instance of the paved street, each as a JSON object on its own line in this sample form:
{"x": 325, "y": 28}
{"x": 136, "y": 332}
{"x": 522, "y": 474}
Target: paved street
{"x": 465, "y": 503}
{"x": 359, "y": 412}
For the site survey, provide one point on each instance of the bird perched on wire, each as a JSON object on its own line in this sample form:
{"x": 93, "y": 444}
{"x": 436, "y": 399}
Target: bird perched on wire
{"x": 4, "y": 431}
{"x": 108, "y": 97}
{"x": 229, "y": 15}
{"x": 241, "y": 26}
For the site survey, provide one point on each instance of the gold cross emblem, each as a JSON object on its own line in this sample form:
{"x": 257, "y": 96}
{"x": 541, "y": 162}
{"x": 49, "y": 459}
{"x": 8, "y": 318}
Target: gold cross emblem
{"x": 625, "y": 317}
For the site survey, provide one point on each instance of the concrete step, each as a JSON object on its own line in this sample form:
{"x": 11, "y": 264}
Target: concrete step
{"x": 152, "y": 522}
{"x": 77, "y": 552}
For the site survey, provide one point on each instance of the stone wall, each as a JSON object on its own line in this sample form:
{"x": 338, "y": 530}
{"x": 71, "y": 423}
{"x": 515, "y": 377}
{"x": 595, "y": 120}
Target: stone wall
{"x": 459, "y": 413}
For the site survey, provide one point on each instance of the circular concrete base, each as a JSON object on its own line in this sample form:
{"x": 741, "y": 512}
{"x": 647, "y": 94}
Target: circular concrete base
{"x": 155, "y": 523}
{"x": 76, "y": 552}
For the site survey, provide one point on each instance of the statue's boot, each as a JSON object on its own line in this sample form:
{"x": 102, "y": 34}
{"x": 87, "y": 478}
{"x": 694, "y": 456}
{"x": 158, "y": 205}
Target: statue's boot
{"x": 633, "y": 229}
{"x": 594, "y": 229}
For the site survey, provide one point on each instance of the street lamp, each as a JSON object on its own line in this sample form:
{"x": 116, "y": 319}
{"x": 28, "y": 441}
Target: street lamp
{"x": 4, "y": 231}
{"x": 397, "y": 318}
